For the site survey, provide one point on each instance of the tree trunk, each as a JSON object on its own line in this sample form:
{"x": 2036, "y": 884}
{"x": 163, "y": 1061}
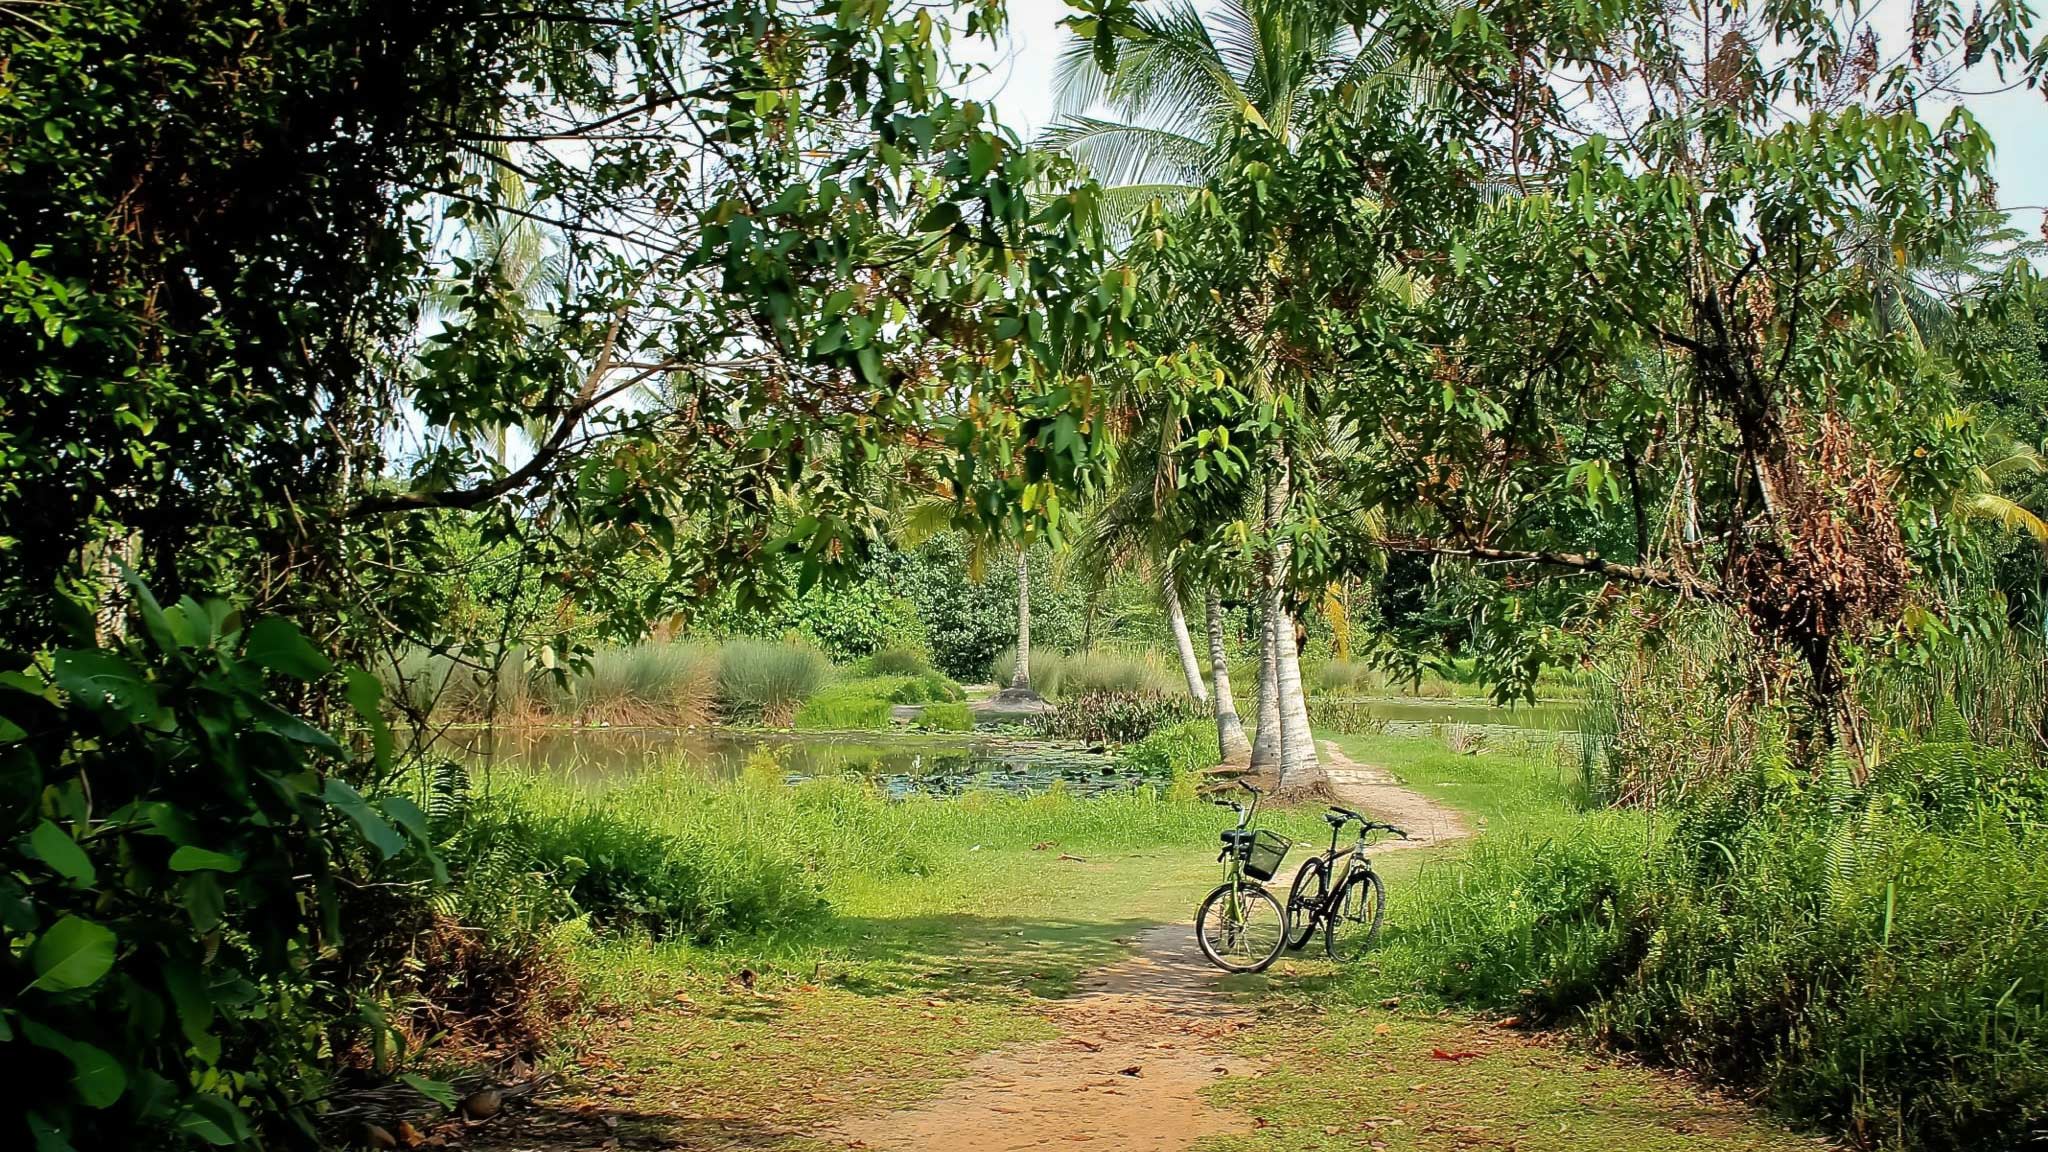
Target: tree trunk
{"x": 1020, "y": 680}
{"x": 1229, "y": 729}
{"x": 1299, "y": 766}
{"x": 1190, "y": 667}
{"x": 1266, "y": 730}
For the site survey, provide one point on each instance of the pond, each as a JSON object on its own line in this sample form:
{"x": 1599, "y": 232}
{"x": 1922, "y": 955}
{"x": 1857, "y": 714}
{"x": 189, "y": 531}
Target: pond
{"x": 904, "y": 762}
{"x": 901, "y": 763}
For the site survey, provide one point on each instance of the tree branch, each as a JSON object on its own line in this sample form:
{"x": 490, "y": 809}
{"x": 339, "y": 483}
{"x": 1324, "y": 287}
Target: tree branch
{"x": 1577, "y": 561}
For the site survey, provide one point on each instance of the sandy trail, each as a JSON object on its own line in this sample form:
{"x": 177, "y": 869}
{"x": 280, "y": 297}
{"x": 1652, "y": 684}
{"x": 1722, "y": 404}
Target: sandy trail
{"x": 1138, "y": 1043}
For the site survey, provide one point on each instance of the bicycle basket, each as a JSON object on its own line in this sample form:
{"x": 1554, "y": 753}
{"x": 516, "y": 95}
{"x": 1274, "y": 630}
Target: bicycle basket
{"x": 1262, "y": 856}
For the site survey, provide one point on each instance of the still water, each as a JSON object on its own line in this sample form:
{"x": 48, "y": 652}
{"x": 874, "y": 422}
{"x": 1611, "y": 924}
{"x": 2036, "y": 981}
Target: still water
{"x": 901, "y": 763}
{"x": 905, "y": 762}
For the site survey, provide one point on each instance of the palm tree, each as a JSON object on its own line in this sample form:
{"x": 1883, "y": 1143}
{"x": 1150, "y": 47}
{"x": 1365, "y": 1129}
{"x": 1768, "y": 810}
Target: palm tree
{"x": 1187, "y": 83}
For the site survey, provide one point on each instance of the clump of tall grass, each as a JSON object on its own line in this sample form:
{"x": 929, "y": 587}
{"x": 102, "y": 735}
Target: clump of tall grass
{"x": 761, "y": 681}
{"x": 1056, "y": 674}
{"x": 654, "y": 683}
{"x": 452, "y": 685}
{"x": 1346, "y": 678}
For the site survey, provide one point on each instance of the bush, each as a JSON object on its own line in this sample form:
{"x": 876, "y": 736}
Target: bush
{"x": 946, "y": 718}
{"x": 859, "y": 704}
{"x": 1177, "y": 751}
{"x": 169, "y": 838}
{"x": 1855, "y": 962}
{"x": 896, "y": 662}
{"x": 667, "y": 860}
{"x": 760, "y": 681}
{"x": 1117, "y": 717}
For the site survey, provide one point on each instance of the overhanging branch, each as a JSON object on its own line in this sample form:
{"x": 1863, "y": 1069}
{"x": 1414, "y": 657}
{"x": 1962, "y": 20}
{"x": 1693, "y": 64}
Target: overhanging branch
{"x": 1576, "y": 561}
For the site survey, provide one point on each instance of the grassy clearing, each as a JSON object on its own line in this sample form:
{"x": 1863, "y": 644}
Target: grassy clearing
{"x": 948, "y": 924}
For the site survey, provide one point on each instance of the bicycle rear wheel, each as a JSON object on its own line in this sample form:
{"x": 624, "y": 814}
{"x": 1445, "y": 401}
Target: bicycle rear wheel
{"x": 1354, "y": 922}
{"x": 1305, "y": 901}
{"x": 1241, "y": 928}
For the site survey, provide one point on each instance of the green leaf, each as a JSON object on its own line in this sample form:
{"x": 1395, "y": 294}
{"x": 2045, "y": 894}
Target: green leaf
{"x": 72, "y": 953}
{"x": 55, "y": 847}
{"x": 438, "y": 1091}
{"x": 191, "y": 859}
{"x": 10, "y": 731}
{"x": 195, "y": 1008}
{"x": 277, "y": 644}
{"x": 102, "y": 681}
{"x": 366, "y": 695}
{"x": 375, "y": 828}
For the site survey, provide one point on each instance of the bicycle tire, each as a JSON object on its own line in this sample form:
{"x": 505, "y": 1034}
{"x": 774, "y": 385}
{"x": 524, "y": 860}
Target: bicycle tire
{"x": 1221, "y": 933}
{"x": 1354, "y": 920}
{"x": 1304, "y": 904}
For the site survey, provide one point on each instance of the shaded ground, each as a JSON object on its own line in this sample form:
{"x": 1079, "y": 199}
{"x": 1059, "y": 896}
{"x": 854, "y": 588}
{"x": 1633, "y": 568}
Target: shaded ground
{"x": 1092, "y": 1024}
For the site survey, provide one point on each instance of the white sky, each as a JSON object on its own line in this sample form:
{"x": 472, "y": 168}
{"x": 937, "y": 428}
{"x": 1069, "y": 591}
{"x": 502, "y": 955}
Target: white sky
{"x": 1020, "y": 83}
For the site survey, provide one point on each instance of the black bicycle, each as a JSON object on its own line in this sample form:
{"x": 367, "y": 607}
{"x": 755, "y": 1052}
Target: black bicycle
{"x": 1241, "y": 926}
{"x": 1348, "y": 905}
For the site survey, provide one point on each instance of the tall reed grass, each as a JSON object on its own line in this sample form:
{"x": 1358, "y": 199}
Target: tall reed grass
{"x": 1057, "y": 674}
{"x": 761, "y": 681}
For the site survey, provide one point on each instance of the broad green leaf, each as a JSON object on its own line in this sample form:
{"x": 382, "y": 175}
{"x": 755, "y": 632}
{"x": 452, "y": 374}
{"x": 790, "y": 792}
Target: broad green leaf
{"x": 366, "y": 695}
{"x": 55, "y": 847}
{"x": 72, "y": 953}
{"x": 102, "y": 681}
{"x": 381, "y": 835}
{"x": 10, "y": 731}
{"x": 277, "y": 644}
{"x": 440, "y": 1092}
{"x": 191, "y": 859}
{"x": 195, "y": 1008}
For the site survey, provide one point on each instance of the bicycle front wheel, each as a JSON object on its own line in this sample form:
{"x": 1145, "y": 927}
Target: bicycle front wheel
{"x": 1305, "y": 900}
{"x": 1354, "y": 922}
{"x": 1241, "y": 928}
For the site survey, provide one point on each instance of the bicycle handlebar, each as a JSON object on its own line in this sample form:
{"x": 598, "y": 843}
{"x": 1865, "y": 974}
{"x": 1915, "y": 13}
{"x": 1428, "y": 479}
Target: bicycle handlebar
{"x": 1365, "y": 825}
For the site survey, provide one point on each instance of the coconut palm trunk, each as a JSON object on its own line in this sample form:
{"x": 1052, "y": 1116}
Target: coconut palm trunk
{"x": 1265, "y": 761}
{"x": 1020, "y": 679}
{"x": 1298, "y": 767}
{"x": 1190, "y": 667}
{"x": 1229, "y": 729}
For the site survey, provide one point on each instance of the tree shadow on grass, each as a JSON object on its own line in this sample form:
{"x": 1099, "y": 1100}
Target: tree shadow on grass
{"x": 976, "y": 957}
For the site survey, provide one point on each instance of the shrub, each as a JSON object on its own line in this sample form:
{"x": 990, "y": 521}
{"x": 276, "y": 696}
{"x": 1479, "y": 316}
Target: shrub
{"x": 1343, "y": 717}
{"x": 858, "y": 704}
{"x": 896, "y": 662}
{"x": 1118, "y": 717}
{"x": 761, "y": 681}
{"x": 1855, "y": 962}
{"x": 946, "y": 718}
{"x": 627, "y": 862}
{"x": 1176, "y": 751}
{"x": 169, "y": 839}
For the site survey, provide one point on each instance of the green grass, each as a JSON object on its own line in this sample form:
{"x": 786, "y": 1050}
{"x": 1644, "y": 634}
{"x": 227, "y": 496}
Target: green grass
{"x": 948, "y": 717}
{"x": 763, "y": 681}
{"x": 947, "y": 921}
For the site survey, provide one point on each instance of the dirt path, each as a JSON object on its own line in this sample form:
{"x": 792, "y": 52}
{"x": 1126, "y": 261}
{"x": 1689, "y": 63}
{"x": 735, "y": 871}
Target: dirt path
{"x": 1138, "y": 1044}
